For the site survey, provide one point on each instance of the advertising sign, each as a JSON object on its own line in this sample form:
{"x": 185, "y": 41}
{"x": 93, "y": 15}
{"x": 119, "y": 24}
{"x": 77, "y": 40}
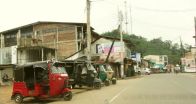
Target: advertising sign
{"x": 136, "y": 57}
{"x": 117, "y": 52}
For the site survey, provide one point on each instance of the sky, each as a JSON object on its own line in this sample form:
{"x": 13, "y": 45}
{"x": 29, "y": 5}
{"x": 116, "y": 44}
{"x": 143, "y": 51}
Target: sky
{"x": 168, "y": 19}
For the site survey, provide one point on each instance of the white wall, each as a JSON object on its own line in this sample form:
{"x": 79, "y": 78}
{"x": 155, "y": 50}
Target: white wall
{"x": 14, "y": 54}
{"x": 8, "y": 55}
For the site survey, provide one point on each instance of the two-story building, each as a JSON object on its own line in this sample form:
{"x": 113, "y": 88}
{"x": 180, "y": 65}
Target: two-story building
{"x": 41, "y": 41}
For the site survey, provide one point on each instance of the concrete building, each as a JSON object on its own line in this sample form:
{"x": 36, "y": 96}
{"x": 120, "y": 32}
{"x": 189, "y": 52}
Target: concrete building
{"x": 189, "y": 61}
{"x": 100, "y": 49}
{"x": 157, "y": 59}
{"x": 41, "y": 41}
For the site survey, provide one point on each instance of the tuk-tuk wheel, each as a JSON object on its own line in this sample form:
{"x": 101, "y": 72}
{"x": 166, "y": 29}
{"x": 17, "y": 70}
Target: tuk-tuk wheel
{"x": 114, "y": 81}
{"x": 107, "y": 82}
{"x": 67, "y": 96}
{"x": 80, "y": 86}
{"x": 18, "y": 98}
{"x": 37, "y": 98}
{"x": 73, "y": 85}
{"x": 97, "y": 85}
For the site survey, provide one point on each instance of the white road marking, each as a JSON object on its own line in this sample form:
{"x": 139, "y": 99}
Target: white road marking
{"x": 118, "y": 94}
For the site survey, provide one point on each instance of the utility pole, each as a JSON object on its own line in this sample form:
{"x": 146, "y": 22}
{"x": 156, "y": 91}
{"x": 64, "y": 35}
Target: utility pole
{"x": 120, "y": 17}
{"x": 182, "y": 48}
{"x": 195, "y": 42}
{"x": 121, "y": 42}
{"x": 88, "y": 53}
{"x": 126, "y": 20}
{"x": 195, "y": 30}
{"x": 131, "y": 21}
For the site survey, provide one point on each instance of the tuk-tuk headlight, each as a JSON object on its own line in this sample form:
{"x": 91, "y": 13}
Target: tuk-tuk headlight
{"x": 64, "y": 75}
{"x": 59, "y": 78}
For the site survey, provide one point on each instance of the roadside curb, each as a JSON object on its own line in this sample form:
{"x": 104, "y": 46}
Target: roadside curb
{"x": 134, "y": 77}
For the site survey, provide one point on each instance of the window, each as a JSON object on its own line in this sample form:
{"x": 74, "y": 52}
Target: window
{"x": 27, "y": 34}
{"x": 7, "y": 36}
{"x": 165, "y": 58}
{"x": 10, "y": 39}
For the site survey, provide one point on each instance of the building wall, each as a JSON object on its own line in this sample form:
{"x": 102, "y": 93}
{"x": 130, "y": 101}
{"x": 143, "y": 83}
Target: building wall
{"x": 189, "y": 55}
{"x": 8, "y": 55}
{"x": 158, "y": 59}
{"x": 58, "y": 36}
{"x": 8, "y": 71}
{"x": 193, "y": 50}
{"x": 189, "y": 61}
{"x": 65, "y": 38}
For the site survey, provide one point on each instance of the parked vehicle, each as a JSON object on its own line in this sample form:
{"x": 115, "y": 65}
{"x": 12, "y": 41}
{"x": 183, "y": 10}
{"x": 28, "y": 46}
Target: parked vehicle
{"x": 138, "y": 70}
{"x": 40, "y": 80}
{"x": 82, "y": 73}
{"x": 143, "y": 71}
{"x": 105, "y": 73}
{"x": 146, "y": 71}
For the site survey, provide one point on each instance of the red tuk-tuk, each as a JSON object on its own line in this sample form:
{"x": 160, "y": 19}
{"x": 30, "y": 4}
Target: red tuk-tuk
{"x": 41, "y": 80}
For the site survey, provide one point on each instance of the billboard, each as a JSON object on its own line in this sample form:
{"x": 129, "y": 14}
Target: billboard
{"x": 136, "y": 57}
{"x": 117, "y": 51}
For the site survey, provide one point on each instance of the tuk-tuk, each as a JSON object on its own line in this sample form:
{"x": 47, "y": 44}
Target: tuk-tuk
{"x": 82, "y": 73}
{"x": 105, "y": 73}
{"x": 41, "y": 80}
{"x": 110, "y": 73}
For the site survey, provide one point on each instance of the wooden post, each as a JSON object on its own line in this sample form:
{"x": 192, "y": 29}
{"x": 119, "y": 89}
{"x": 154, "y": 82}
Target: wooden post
{"x": 18, "y": 37}
{"x": 42, "y": 54}
{"x": 1, "y": 40}
{"x": 1, "y": 59}
{"x": 57, "y": 35}
{"x": 76, "y": 36}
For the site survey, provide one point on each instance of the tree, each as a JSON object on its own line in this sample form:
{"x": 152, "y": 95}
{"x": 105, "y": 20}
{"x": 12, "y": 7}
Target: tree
{"x": 153, "y": 47}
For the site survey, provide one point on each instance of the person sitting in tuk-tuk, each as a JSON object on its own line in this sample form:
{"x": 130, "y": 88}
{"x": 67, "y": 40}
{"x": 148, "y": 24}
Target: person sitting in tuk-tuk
{"x": 5, "y": 77}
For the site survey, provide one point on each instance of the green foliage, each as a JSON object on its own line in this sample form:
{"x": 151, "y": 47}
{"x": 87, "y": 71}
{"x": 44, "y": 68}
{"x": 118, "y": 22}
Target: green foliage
{"x": 153, "y": 47}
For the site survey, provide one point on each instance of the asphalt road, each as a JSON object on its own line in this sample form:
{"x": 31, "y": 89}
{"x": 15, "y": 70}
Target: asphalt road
{"x": 149, "y": 89}
{"x": 152, "y": 89}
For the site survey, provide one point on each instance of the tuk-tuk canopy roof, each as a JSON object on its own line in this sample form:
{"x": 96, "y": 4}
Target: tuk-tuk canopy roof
{"x": 42, "y": 64}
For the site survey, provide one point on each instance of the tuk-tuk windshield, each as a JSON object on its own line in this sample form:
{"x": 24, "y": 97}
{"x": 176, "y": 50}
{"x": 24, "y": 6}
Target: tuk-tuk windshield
{"x": 58, "y": 69}
{"x": 90, "y": 67}
{"x": 108, "y": 68}
{"x": 101, "y": 67}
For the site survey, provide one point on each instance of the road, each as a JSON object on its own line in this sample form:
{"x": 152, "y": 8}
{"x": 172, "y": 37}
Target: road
{"x": 149, "y": 89}
{"x": 152, "y": 89}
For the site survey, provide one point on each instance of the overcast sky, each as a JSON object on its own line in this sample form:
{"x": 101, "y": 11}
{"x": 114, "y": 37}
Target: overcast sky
{"x": 169, "y": 19}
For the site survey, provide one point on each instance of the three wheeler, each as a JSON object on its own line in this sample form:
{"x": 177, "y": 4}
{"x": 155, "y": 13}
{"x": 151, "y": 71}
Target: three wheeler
{"x": 41, "y": 80}
{"x": 81, "y": 73}
{"x": 105, "y": 73}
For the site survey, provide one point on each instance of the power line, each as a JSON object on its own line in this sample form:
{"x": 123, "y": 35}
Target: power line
{"x": 162, "y": 26}
{"x": 161, "y": 10}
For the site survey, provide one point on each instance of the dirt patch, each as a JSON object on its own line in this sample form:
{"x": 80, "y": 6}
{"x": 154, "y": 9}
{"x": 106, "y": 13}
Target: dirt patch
{"x": 5, "y": 93}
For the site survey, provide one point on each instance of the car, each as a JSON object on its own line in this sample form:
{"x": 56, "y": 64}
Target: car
{"x": 147, "y": 71}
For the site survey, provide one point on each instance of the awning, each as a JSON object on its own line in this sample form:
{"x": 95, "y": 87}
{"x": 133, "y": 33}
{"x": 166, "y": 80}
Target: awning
{"x": 161, "y": 66}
